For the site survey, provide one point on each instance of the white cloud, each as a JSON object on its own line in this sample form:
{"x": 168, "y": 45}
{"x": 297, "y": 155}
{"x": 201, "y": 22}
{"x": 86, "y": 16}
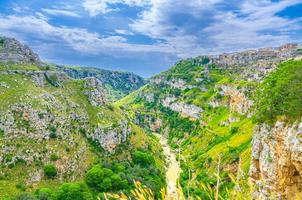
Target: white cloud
{"x": 60, "y": 12}
{"x": 79, "y": 39}
{"x": 181, "y": 28}
{"x": 211, "y": 27}
{"x": 96, "y": 7}
{"x": 123, "y": 32}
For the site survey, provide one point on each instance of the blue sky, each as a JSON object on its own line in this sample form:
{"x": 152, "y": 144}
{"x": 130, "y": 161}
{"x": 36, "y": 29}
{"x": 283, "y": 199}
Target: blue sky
{"x": 147, "y": 36}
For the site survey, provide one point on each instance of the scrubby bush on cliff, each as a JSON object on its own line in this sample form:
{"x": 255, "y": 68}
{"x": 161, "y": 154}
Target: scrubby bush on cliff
{"x": 50, "y": 171}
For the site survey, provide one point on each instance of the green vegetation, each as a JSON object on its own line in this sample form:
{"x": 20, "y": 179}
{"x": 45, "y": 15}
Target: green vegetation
{"x": 50, "y": 171}
{"x": 205, "y": 141}
{"x": 280, "y": 94}
{"x": 142, "y": 158}
{"x": 104, "y": 179}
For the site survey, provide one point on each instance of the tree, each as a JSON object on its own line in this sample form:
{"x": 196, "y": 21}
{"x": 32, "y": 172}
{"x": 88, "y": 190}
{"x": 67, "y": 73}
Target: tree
{"x": 94, "y": 176}
{"x": 106, "y": 185}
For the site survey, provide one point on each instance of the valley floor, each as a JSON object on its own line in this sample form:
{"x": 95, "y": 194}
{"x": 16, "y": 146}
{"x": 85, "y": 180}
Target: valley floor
{"x": 173, "y": 169}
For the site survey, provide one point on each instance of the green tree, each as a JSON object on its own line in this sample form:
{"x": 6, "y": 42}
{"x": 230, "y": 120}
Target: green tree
{"x": 94, "y": 176}
{"x": 106, "y": 185}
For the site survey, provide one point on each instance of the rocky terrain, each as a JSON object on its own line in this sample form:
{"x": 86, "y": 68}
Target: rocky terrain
{"x": 13, "y": 51}
{"x": 116, "y": 84}
{"x": 48, "y": 118}
{"x": 233, "y": 119}
{"x": 276, "y": 161}
{"x": 206, "y": 108}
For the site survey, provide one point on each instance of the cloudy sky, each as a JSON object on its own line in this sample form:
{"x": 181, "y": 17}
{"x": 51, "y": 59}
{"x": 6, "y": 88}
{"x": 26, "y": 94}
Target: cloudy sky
{"x": 147, "y": 36}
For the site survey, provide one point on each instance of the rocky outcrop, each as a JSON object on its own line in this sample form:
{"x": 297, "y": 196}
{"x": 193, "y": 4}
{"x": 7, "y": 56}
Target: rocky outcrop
{"x": 187, "y": 110}
{"x": 276, "y": 166}
{"x": 110, "y": 137}
{"x": 12, "y": 50}
{"x": 238, "y": 102}
{"x": 96, "y": 93}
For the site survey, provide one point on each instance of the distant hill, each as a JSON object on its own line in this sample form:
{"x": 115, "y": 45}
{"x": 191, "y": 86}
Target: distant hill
{"x": 117, "y": 84}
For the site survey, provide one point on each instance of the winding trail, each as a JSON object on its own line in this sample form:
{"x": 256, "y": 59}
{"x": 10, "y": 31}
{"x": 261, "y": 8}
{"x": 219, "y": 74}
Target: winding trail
{"x": 172, "y": 170}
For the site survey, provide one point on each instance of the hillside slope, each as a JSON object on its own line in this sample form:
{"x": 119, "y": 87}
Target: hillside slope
{"x": 116, "y": 84}
{"x": 58, "y": 134}
{"x": 204, "y": 106}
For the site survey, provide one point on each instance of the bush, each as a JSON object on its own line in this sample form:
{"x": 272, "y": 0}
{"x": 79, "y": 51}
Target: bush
{"x": 74, "y": 191}
{"x": 50, "y": 171}
{"x": 54, "y": 157}
{"x": 234, "y": 130}
{"x": 21, "y": 186}
{"x": 106, "y": 185}
{"x": 45, "y": 194}
{"x": 25, "y": 196}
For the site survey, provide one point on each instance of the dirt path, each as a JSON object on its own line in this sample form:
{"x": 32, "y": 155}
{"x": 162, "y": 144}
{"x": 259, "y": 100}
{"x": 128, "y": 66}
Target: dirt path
{"x": 173, "y": 169}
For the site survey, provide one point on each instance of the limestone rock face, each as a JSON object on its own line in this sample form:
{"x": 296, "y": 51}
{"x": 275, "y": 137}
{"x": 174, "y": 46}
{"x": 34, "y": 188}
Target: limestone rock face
{"x": 187, "y": 110}
{"x": 95, "y": 92}
{"x": 237, "y": 100}
{"x": 110, "y": 137}
{"x": 12, "y": 50}
{"x": 276, "y": 166}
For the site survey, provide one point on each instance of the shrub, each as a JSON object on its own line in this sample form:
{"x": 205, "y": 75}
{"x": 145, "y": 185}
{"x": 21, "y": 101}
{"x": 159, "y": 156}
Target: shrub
{"x": 25, "y": 196}
{"x": 106, "y": 185}
{"x": 1, "y": 133}
{"x": 74, "y": 191}
{"x": 104, "y": 179}
{"x": 50, "y": 171}
{"x": 54, "y": 157}
{"x": 45, "y": 194}
{"x": 234, "y": 130}
{"x": 21, "y": 186}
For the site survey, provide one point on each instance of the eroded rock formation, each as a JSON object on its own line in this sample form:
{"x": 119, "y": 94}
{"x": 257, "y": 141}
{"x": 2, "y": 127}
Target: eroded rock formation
{"x": 276, "y": 166}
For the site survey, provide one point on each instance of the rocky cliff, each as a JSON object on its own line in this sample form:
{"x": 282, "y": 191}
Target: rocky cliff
{"x": 276, "y": 164}
{"x": 12, "y": 50}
